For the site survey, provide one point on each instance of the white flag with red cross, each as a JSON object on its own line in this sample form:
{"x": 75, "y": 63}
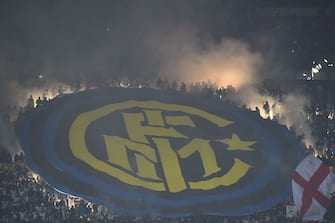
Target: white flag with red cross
{"x": 312, "y": 184}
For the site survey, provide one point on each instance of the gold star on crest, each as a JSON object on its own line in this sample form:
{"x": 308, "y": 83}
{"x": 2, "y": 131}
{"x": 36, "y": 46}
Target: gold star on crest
{"x": 235, "y": 143}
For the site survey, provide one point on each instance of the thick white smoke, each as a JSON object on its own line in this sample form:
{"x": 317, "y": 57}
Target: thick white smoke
{"x": 288, "y": 109}
{"x": 15, "y": 102}
{"x": 185, "y": 56}
{"x": 8, "y": 139}
{"x": 293, "y": 114}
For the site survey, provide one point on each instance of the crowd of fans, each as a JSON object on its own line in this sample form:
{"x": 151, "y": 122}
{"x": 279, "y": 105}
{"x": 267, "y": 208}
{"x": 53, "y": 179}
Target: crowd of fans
{"x": 27, "y": 198}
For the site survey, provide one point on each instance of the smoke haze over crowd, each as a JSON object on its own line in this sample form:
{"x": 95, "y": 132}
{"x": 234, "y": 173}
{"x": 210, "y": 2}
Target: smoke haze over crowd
{"x": 190, "y": 41}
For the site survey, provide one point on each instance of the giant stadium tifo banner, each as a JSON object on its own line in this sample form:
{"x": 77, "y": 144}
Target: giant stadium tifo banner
{"x": 144, "y": 151}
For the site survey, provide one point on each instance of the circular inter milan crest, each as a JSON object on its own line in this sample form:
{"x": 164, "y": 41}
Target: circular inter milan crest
{"x": 142, "y": 151}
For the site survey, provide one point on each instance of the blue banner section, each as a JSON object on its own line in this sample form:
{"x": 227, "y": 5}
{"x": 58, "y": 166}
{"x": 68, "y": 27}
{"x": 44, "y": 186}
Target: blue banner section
{"x": 143, "y": 151}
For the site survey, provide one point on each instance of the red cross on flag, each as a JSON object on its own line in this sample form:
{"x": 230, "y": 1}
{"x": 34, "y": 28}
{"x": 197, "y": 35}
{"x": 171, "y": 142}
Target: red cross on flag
{"x": 312, "y": 184}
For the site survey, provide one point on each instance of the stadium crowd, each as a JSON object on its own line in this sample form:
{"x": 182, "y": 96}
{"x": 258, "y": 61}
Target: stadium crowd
{"x": 25, "y": 197}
